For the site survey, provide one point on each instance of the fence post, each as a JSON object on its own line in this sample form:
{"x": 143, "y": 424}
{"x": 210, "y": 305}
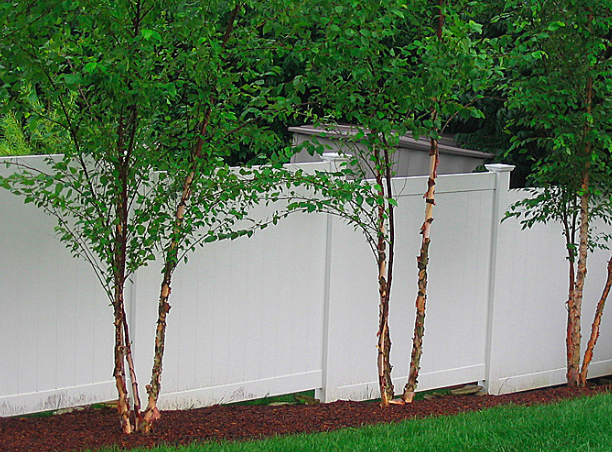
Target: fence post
{"x": 502, "y": 185}
{"x": 327, "y": 393}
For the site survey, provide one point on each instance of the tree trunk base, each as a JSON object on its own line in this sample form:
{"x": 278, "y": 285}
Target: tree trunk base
{"x": 150, "y": 415}
{"x": 408, "y": 397}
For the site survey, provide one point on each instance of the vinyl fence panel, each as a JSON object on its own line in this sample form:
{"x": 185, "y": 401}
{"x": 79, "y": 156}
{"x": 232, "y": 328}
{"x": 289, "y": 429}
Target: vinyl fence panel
{"x": 56, "y": 325}
{"x": 295, "y": 307}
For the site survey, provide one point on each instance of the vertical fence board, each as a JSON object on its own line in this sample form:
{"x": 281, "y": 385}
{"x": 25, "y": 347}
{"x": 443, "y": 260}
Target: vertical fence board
{"x": 58, "y": 350}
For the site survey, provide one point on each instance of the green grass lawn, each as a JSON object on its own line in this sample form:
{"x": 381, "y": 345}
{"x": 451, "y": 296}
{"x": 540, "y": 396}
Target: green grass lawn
{"x": 575, "y": 425}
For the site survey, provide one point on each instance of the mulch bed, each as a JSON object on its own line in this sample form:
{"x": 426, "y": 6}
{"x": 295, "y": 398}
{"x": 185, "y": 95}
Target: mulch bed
{"x": 92, "y": 429}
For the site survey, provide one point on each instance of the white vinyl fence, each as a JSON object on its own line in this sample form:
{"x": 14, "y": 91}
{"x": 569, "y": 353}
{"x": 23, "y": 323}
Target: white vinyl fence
{"x": 296, "y": 307}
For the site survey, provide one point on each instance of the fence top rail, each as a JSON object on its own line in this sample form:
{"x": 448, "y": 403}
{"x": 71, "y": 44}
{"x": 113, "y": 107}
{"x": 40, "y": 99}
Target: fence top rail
{"x": 403, "y": 186}
{"x": 451, "y": 183}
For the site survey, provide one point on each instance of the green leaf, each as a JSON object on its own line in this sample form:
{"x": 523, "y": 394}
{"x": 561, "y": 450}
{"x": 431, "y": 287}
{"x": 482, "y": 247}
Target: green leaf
{"x": 150, "y": 35}
{"x": 72, "y": 79}
{"x": 90, "y": 67}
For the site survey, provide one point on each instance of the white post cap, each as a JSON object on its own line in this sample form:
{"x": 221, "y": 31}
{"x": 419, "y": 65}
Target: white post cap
{"x": 499, "y": 168}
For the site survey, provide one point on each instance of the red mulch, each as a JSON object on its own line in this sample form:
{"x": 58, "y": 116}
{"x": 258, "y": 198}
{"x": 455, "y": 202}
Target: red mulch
{"x": 92, "y": 429}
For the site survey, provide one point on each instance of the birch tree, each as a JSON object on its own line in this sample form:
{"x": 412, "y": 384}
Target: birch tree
{"x": 76, "y": 58}
{"x": 385, "y": 69}
{"x": 453, "y": 67}
{"x": 135, "y": 87}
{"x": 560, "y": 92}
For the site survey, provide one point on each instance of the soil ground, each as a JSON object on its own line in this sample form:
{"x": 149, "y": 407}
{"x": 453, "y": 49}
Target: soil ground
{"x": 96, "y": 428}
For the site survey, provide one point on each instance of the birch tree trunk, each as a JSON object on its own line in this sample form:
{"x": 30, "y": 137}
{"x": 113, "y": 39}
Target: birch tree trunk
{"x": 385, "y": 271}
{"x": 123, "y": 347}
{"x": 422, "y": 261}
{"x": 152, "y": 413}
{"x": 384, "y": 339}
{"x": 132, "y": 370}
{"x": 423, "y": 258}
{"x": 123, "y": 404}
{"x": 570, "y": 237}
{"x": 588, "y": 353}
{"x": 574, "y": 335}
{"x": 126, "y": 132}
